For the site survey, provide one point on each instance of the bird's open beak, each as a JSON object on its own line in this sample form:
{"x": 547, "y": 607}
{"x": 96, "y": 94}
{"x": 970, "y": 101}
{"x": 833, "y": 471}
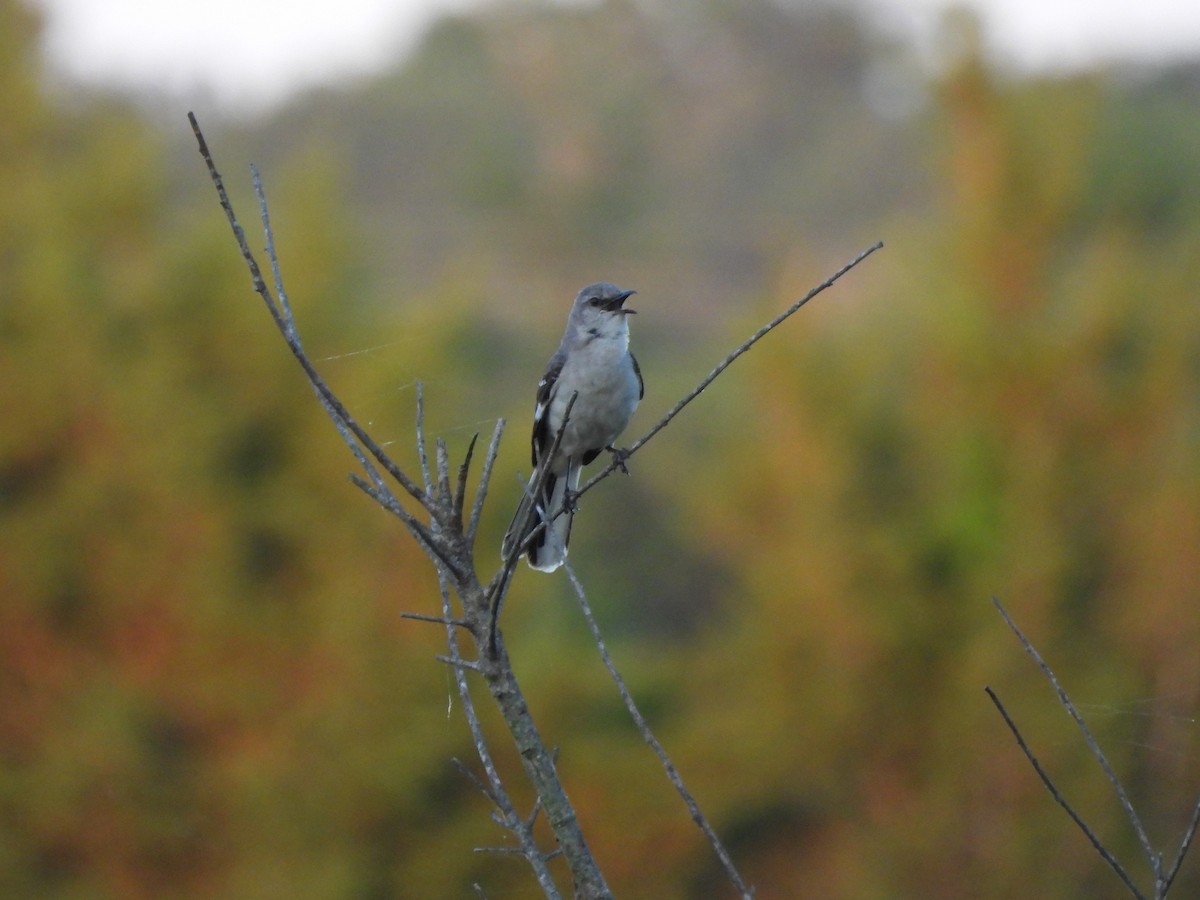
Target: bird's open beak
{"x": 619, "y": 300}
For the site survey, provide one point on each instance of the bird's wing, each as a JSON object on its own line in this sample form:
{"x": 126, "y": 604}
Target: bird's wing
{"x": 543, "y": 435}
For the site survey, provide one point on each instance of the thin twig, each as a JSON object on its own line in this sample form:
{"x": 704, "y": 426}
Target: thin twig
{"x": 282, "y": 318}
{"x": 639, "y": 720}
{"x": 435, "y": 525}
{"x": 460, "y": 490}
{"x": 419, "y": 530}
{"x": 256, "y": 278}
{"x": 1060, "y": 800}
{"x": 460, "y": 663}
{"x": 485, "y": 477}
{"x": 722, "y": 366}
{"x": 1183, "y": 849}
{"x": 533, "y": 813}
{"x": 438, "y": 620}
{"x": 499, "y": 796}
{"x": 1154, "y": 858}
{"x": 443, "y": 473}
{"x": 422, "y": 453}
{"x": 466, "y": 772}
{"x": 285, "y": 307}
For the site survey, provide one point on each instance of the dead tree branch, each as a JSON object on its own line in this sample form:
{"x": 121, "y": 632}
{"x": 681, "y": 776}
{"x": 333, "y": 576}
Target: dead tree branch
{"x": 448, "y": 546}
{"x": 1060, "y": 800}
{"x": 643, "y": 728}
{"x": 1163, "y": 879}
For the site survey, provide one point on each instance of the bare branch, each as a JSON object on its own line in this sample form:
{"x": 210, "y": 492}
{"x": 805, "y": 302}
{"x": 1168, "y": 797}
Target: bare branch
{"x": 643, "y": 728}
{"x": 466, "y": 772}
{"x": 460, "y": 663}
{"x": 501, "y": 851}
{"x": 443, "y": 541}
{"x": 419, "y": 530}
{"x": 285, "y": 324}
{"x": 438, "y": 620}
{"x": 285, "y": 307}
{"x": 485, "y": 478}
{"x": 497, "y": 793}
{"x": 422, "y": 453}
{"x": 460, "y": 489}
{"x": 1147, "y": 848}
{"x": 537, "y": 808}
{"x": 1061, "y": 801}
{"x": 1183, "y": 849}
{"x": 443, "y": 473}
{"x": 260, "y": 286}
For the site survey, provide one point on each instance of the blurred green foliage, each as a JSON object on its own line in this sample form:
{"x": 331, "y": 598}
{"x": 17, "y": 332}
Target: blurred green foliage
{"x": 205, "y": 688}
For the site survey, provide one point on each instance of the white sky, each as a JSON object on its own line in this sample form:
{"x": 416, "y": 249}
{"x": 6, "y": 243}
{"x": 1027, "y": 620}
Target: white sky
{"x": 249, "y": 52}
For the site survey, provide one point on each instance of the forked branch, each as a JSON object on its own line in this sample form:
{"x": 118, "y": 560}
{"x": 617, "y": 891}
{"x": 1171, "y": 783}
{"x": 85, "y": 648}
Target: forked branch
{"x": 1163, "y": 878}
{"x": 449, "y": 545}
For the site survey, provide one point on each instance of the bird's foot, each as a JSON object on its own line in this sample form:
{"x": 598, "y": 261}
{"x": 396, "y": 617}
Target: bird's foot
{"x": 619, "y": 455}
{"x": 570, "y": 501}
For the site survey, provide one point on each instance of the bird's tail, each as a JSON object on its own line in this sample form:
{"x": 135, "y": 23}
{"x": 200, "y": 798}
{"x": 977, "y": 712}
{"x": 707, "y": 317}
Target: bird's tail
{"x": 547, "y": 551}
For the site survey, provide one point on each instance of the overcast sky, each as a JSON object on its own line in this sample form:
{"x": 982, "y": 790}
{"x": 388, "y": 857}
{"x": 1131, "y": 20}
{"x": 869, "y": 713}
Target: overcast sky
{"x": 254, "y": 51}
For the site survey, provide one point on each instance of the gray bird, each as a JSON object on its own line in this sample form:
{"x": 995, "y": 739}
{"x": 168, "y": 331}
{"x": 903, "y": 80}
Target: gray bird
{"x": 593, "y": 359}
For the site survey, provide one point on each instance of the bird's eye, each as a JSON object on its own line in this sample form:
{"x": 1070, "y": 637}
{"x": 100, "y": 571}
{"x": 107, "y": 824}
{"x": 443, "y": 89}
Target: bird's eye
{"x": 594, "y": 301}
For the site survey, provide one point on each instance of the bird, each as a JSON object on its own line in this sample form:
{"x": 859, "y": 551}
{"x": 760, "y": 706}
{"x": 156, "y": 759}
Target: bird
{"x": 594, "y": 365}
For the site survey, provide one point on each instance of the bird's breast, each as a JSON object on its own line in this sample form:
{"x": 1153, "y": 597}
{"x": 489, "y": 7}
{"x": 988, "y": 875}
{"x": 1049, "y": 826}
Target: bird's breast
{"x": 608, "y": 396}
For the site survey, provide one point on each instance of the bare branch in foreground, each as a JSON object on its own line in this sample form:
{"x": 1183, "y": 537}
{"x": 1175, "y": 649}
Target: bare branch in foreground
{"x": 1184, "y": 845}
{"x": 1060, "y": 800}
{"x": 1093, "y": 745}
{"x": 485, "y": 478}
{"x": 282, "y": 315}
{"x": 509, "y": 818}
{"x": 643, "y": 728}
{"x": 1162, "y": 880}
{"x": 443, "y": 540}
{"x": 438, "y": 620}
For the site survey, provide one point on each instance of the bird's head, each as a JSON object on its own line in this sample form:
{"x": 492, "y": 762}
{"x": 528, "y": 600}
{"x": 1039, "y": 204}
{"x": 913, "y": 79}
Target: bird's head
{"x": 600, "y": 309}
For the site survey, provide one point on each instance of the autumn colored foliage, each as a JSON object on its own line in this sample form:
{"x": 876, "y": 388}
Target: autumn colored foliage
{"x": 205, "y": 686}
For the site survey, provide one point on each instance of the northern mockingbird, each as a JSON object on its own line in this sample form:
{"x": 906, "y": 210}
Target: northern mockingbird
{"x": 592, "y": 362}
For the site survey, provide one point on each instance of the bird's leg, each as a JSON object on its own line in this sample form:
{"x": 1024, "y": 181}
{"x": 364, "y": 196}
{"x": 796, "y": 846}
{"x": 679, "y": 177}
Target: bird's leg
{"x": 619, "y": 455}
{"x": 570, "y": 497}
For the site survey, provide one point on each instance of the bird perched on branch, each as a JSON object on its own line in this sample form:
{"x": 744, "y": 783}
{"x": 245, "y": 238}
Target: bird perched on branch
{"x": 594, "y": 374}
